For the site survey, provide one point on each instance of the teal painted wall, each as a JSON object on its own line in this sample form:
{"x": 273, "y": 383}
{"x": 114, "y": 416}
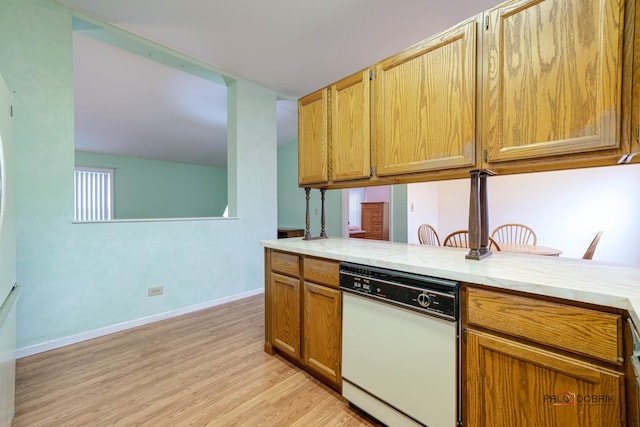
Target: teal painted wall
{"x": 156, "y": 189}
{"x": 80, "y": 277}
{"x": 7, "y": 200}
{"x": 399, "y": 208}
{"x": 292, "y": 199}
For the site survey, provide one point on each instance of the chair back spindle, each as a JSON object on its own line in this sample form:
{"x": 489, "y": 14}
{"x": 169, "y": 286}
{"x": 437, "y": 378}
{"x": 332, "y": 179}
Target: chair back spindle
{"x": 460, "y": 239}
{"x": 427, "y": 235}
{"x": 515, "y": 233}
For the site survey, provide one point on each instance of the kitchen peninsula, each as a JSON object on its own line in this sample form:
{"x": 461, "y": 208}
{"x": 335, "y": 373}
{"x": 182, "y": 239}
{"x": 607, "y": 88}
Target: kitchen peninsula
{"x": 549, "y": 321}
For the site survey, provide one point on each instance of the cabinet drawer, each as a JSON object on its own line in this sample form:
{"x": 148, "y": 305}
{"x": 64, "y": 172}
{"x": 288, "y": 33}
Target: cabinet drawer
{"x": 285, "y": 263}
{"x": 322, "y": 271}
{"x": 576, "y": 329}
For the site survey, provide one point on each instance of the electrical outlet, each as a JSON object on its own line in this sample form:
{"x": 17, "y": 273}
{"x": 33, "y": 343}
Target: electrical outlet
{"x": 158, "y": 290}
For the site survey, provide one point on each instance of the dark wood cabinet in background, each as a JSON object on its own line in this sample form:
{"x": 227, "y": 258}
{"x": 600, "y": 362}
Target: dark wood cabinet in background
{"x": 375, "y": 220}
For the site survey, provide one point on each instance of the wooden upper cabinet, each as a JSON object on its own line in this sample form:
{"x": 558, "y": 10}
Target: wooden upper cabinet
{"x": 553, "y": 76}
{"x": 313, "y": 145}
{"x": 350, "y": 128}
{"x": 426, "y": 104}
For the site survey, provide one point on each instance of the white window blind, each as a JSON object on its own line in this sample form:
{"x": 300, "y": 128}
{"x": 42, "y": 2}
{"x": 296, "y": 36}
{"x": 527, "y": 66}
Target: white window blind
{"x": 93, "y": 190}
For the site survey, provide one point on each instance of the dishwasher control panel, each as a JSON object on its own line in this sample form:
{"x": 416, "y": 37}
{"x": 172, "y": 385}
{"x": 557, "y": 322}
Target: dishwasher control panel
{"x": 426, "y": 294}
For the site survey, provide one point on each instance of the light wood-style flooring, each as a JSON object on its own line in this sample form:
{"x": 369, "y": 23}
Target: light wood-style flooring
{"x": 206, "y": 368}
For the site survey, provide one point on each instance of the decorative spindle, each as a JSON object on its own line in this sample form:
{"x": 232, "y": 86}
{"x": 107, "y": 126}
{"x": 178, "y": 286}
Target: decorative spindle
{"x": 484, "y": 215}
{"x": 322, "y": 232}
{"x": 474, "y": 217}
{"x": 479, "y": 215}
{"x": 307, "y": 232}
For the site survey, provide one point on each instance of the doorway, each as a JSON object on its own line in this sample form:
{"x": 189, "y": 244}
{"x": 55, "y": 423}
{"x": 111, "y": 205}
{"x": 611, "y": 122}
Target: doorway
{"x": 352, "y": 200}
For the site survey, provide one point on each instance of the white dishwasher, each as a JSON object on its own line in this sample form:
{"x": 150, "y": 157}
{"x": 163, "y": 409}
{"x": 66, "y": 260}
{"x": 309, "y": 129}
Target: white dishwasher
{"x": 400, "y": 346}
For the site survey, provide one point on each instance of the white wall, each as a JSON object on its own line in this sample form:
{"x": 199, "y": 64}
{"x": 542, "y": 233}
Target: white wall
{"x": 377, "y": 194}
{"x": 565, "y": 208}
{"x": 422, "y": 208}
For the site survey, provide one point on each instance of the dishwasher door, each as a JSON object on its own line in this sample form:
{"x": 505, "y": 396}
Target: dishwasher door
{"x": 398, "y": 363}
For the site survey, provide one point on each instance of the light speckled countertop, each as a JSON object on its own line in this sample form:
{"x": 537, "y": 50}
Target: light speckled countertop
{"x": 608, "y": 284}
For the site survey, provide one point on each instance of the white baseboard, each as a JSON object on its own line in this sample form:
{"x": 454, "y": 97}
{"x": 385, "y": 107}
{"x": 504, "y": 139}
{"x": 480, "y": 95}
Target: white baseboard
{"x": 84, "y": 336}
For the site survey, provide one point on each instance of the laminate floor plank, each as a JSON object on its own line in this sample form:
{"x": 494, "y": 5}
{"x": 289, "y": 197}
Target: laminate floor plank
{"x": 206, "y": 368}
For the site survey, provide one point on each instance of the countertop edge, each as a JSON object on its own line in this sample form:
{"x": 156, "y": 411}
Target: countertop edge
{"x": 587, "y": 281}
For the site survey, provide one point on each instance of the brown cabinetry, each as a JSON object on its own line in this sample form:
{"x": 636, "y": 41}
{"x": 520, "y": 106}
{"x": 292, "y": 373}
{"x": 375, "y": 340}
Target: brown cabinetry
{"x": 552, "y": 81}
{"x": 528, "y": 85}
{"x": 426, "y": 109}
{"x": 534, "y": 362}
{"x": 304, "y": 322}
{"x": 350, "y": 128}
{"x": 313, "y": 142}
{"x": 322, "y": 318}
{"x": 285, "y": 314}
{"x": 334, "y": 132}
{"x": 375, "y": 220}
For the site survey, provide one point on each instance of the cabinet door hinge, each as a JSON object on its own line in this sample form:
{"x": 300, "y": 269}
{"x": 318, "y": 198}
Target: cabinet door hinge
{"x": 637, "y": 133}
{"x": 486, "y": 22}
{"x": 484, "y": 154}
{"x": 372, "y": 74}
{"x": 371, "y": 171}
{"x": 464, "y": 335}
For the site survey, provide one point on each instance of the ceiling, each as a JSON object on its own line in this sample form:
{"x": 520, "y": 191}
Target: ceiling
{"x": 293, "y": 47}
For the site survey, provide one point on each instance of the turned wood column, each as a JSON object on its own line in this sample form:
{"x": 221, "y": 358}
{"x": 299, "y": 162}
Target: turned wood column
{"x": 474, "y": 216}
{"x": 307, "y": 233}
{"x": 322, "y": 232}
{"x": 307, "y": 230}
{"x": 484, "y": 214}
{"x": 479, "y": 215}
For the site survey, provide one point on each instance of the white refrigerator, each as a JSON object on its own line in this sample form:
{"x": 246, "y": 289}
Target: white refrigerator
{"x": 8, "y": 288}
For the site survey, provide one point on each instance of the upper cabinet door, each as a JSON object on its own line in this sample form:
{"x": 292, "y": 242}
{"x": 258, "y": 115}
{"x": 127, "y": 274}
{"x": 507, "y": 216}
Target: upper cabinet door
{"x": 426, "y": 105}
{"x": 313, "y": 144}
{"x": 350, "y": 128}
{"x": 552, "y": 78}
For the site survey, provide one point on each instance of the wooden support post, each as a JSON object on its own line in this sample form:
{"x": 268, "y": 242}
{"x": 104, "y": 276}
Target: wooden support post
{"x": 479, "y": 215}
{"x": 307, "y": 234}
{"x": 474, "y": 217}
{"x": 322, "y": 232}
{"x": 484, "y": 215}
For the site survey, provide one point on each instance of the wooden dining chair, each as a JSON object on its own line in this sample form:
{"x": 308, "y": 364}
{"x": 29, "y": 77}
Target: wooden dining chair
{"x": 515, "y": 233}
{"x": 460, "y": 239}
{"x": 592, "y": 247}
{"x": 427, "y": 235}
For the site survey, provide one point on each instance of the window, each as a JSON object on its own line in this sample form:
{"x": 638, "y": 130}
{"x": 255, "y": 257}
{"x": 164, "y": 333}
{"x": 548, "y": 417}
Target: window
{"x": 93, "y": 194}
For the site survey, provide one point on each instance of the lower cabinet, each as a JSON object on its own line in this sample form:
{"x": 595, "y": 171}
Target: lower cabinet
{"x": 322, "y": 330}
{"x": 303, "y": 311}
{"x": 285, "y": 314}
{"x": 513, "y": 384}
{"x": 529, "y": 361}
